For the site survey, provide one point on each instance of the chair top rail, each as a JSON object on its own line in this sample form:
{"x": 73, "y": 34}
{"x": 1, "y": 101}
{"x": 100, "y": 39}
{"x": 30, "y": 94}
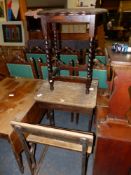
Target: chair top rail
{"x": 62, "y": 134}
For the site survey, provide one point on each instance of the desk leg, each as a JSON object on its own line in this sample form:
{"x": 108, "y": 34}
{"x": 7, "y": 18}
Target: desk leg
{"x": 91, "y": 119}
{"x": 18, "y": 156}
{"x": 20, "y": 162}
{"x": 50, "y": 115}
{"x": 84, "y": 156}
{"x": 77, "y": 117}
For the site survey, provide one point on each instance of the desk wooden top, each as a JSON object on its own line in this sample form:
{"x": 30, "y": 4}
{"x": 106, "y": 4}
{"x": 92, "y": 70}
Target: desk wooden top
{"x": 119, "y": 58}
{"x": 68, "y": 94}
{"x": 16, "y": 99}
{"x": 70, "y": 12}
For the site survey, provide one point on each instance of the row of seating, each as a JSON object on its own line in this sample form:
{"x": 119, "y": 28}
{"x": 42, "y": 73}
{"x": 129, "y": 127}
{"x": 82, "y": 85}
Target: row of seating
{"x": 36, "y": 67}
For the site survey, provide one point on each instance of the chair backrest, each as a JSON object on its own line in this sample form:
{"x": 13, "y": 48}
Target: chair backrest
{"x": 65, "y": 70}
{"x": 68, "y": 55}
{"x": 36, "y": 57}
{"x": 61, "y": 138}
{"x": 99, "y": 74}
{"x": 25, "y": 70}
{"x": 68, "y": 58}
{"x": 102, "y": 59}
{"x": 37, "y": 132}
{"x": 80, "y": 70}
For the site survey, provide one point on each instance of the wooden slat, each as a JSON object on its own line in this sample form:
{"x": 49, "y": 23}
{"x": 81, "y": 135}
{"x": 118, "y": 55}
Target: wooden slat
{"x": 58, "y": 143}
{"x": 52, "y": 132}
{"x": 62, "y": 138}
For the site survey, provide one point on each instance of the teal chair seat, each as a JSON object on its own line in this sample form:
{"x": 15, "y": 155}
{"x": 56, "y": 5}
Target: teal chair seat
{"x": 100, "y": 58}
{"x": 44, "y": 71}
{"x": 101, "y": 75}
{"x": 67, "y": 58}
{"x": 36, "y": 57}
{"x": 20, "y": 70}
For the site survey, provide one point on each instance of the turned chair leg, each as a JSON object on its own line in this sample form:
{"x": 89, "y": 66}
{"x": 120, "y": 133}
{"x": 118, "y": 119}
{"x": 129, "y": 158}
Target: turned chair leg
{"x": 72, "y": 116}
{"x": 77, "y": 118}
{"x": 50, "y": 116}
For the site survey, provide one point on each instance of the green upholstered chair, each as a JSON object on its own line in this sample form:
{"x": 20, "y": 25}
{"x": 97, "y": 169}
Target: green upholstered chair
{"x": 100, "y": 74}
{"x": 68, "y": 58}
{"x": 43, "y": 71}
{"x": 100, "y": 58}
{"x": 65, "y": 58}
{"x": 25, "y": 70}
{"x": 36, "y": 56}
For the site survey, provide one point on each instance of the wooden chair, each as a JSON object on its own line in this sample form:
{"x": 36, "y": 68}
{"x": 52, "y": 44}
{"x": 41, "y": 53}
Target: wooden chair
{"x": 26, "y": 69}
{"x": 36, "y": 134}
{"x": 64, "y": 71}
{"x": 67, "y": 73}
{"x": 67, "y": 59}
{"x": 66, "y": 16}
{"x": 36, "y": 57}
{"x": 99, "y": 74}
{"x": 69, "y": 56}
{"x": 63, "y": 74}
{"x": 101, "y": 58}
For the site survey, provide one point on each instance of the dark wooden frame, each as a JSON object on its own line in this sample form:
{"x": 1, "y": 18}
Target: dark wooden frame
{"x": 49, "y": 136}
{"x": 53, "y": 17}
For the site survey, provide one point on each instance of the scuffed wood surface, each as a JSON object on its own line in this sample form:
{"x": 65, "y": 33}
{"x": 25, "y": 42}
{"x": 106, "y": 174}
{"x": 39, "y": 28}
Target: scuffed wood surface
{"x": 16, "y": 99}
{"x": 68, "y": 94}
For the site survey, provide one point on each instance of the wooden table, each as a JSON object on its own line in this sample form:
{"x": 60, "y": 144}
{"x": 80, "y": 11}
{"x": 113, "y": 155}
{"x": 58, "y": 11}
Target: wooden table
{"x": 17, "y": 103}
{"x": 68, "y": 96}
{"x": 119, "y": 102}
{"x": 51, "y": 20}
